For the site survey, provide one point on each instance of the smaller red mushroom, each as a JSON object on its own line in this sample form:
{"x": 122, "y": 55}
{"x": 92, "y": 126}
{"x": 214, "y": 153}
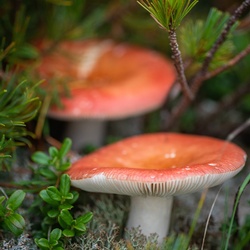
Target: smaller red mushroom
{"x": 151, "y": 168}
{"x": 107, "y": 81}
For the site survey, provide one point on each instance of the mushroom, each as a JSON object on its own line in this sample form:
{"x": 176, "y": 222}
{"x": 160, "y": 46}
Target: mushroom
{"x": 151, "y": 168}
{"x": 107, "y": 81}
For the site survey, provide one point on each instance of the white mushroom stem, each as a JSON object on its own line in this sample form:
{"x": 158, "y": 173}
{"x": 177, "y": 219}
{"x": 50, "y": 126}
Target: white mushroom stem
{"x": 86, "y": 132}
{"x": 152, "y": 214}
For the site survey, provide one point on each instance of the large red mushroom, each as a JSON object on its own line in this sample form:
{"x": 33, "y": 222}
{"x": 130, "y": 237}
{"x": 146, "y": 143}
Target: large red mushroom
{"x": 106, "y": 80}
{"x": 152, "y": 168}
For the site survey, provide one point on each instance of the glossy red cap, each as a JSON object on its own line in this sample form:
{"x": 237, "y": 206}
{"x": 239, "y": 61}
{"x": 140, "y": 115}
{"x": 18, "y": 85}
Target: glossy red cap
{"x": 107, "y": 80}
{"x": 158, "y": 164}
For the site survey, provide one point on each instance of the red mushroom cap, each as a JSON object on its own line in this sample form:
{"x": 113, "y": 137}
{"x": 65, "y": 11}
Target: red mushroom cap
{"x": 158, "y": 164}
{"x": 106, "y": 79}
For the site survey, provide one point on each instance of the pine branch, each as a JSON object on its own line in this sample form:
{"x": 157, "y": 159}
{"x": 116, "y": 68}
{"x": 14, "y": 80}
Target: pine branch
{"x": 18, "y": 105}
{"x": 198, "y": 36}
{"x": 185, "y": 102}
{"x": 198, "y": 79}
{"x": 230, "y": 64}
{"x": 179, "y": 64}
{"x": 169, "y": 14}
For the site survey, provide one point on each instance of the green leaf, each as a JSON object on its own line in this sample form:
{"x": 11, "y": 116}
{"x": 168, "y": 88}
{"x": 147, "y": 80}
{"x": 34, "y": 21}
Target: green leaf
{"x": 53, "y": 213}
{"x": 2, "y": 198}
{"x": 48, "y": 173}
{"x": 65, "y": 218}
{"x": 55, "y": 234}
{"x": 40, "y": 158}
{"x": 53, "y": 151}
{"x": 66, "y": 145}
{"x": 62, "y": 223}
{"x": 84, "y": 218}
{"x": 75, "y": 197}
{"x": 64, "y": 185}
{"x": 43, "y": 243}
{"x": 80, "y": 227}
{"x": 54, "y": 161}
{"x": 58, "y": 248}
{"x": 45, "y": 196}
{"x": 15, "y": 200}
{"x": 69, "y": 196}
{"x": 54, "y": 193}
{"x": 65, "y": 206}
{"x": 2, "y": 211}
{"x": 26, "y": 51}
{"x": 15, "y": 223}
{"x": 68, "y": 233}
{"x": 64, "y": 166}
{"x": 53, "y": 243}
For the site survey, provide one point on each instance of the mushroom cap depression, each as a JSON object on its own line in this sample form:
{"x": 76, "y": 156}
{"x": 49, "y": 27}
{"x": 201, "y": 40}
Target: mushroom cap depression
{"x": 106, "y": 80}
{"x": 160, "y": 164}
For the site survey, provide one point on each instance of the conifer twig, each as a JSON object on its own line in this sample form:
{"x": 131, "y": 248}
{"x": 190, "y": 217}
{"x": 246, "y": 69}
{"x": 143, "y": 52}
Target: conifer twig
{"x": 179, "y": 64}
{"x": 169, "y": 14}
{"x": 221, "y": 39}
{"x": 230, "y": 63}
{"x": 198, "y": 79}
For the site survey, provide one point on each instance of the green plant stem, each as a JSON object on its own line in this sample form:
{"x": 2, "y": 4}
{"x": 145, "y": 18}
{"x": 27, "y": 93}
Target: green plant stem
{"x": 6, "y": 51}
{"x": 30, "y": 189}
{"x": 2, "y": 190}
{"x": 236, "y": 204}
{"x": 197, "y": 214}
{"x": 42, "y": 115}
{"x": 199, "y": 77}
{"x": 176, "y": 55}
{"x": 208, "y": 219}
